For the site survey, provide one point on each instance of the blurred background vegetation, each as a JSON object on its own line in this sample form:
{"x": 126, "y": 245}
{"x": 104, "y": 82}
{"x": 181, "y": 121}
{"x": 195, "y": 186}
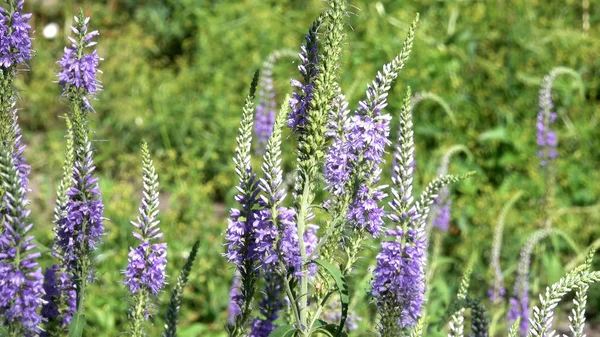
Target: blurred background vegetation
{"x": 175, "y": 74}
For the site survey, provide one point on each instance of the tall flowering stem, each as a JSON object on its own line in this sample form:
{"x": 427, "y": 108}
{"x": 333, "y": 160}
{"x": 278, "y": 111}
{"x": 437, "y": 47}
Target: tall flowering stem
{"x": 15, "y": 51}
{"x": 21, "y": 280}
{"x": 311, "y": 133}
{"x": 60, "y": 298}
{"x": 172, "y": 316}
{"x": 303, "y": 92}
{"x": 240, "y": 235}
{"x": 456, "y": 324}
{"x": 145, "y": 272}
{"x": 399, "y": 277}
{"x": 497, "y": 291}
{"x": 81, "y": 228}
{"x": 277, "y": 248}
{"x": 440, "y": 210}
{"x": 547, "y": 140}
{"x": 81, "y": 223}
{"x": 575, "y": 280}
{"x": 519, "y": 303}
{"x": 352, "y": 165}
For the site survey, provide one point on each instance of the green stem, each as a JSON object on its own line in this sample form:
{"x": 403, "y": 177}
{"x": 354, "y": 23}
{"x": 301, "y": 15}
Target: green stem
{"x": 302, "y": 214}
{"x": 320, "y": 307}
{"x": 290, "y": 295}
{"x": 138, "y": 313}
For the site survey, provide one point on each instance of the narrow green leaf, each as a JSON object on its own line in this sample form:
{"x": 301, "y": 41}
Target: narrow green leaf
{"x": 342, "y": 286}
{"x": 77, "y": 324}
{"x": 284, "y": 331}
{"x": 3, "y": 331}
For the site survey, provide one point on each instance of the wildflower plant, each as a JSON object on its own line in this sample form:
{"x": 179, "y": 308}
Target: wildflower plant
{"x": 21, "y": 279}
{"x": 547, "y": 139}
{"x": 266, "y": 239}
{"x": 497, "y": 292}
{"x": 292, "y": 251}
{"x": 145, "y": 272}
{"x": 80, "y": 228}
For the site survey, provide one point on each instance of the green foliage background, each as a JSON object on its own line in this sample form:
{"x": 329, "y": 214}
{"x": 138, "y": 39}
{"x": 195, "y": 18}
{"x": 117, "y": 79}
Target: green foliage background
{"x": 175, "y": 74}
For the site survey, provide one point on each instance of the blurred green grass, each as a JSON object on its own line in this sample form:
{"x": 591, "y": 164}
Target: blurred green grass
{"x": 175, "y": 73}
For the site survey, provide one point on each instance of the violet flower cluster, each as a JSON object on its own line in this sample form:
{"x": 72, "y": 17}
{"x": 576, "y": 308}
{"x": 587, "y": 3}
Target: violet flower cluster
{"x": 79, "y": 213}
{"x": 269, "y": 306}
{"x": 60, "y": 299}
{"x": 145, "y": 271}
{"x": 21, "y": 280}
{"x": 399, "y": 277}
{"x": 545, "y": 136}
{"x": 147, "y": 262}
{"x": 15, "y": 41}
{"x": 78, "y": 69}
{"x": 265, "y": 109}
{"x": 443, "y": 209}
{"x": 301, "y": 97}
{"x": 355, "y": 154}
{"x": 81, "y": 228}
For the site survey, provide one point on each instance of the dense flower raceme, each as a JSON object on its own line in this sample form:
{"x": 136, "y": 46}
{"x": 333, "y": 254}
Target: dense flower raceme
{"x": 148, "y": 261}
{"x": 78, "y": 69}
{"x": 21, "y": 281}
{"x": 15, "y": 42}
{"x": 398, "y": 279}
{"x": 302, "y": 95}
{"x": 81, "y": 227}
{"x": 359, "y": 152}
{"x": 261, "y": 235}
{"x": 353, "y": 159}
{"x": 60, "y": 298}
{"x": 545, "y": 136}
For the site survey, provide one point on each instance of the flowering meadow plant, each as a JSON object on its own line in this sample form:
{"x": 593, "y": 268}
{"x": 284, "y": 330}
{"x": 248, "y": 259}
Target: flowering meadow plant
{"x": 292, "y": 247}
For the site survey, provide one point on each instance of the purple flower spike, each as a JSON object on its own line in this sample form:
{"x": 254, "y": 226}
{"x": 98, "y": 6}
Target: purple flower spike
{"x": 21, "y": 280}
{"x": 60, "y": 297}
{"x": 399, "y": 280}
{"x": 441, "y": 210}
{"x": 148, "y": 261}
{"x": 81, "y": 227}
{"x": 546, "y": 137}
{"x": 362, "y": 148}
{"x": 78, "y": 69}
{"x": 15, "y": 42}
{"x": 265, "y": 109}
{"x": 289, "y": 245}
{"x": 302, "y": 95}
